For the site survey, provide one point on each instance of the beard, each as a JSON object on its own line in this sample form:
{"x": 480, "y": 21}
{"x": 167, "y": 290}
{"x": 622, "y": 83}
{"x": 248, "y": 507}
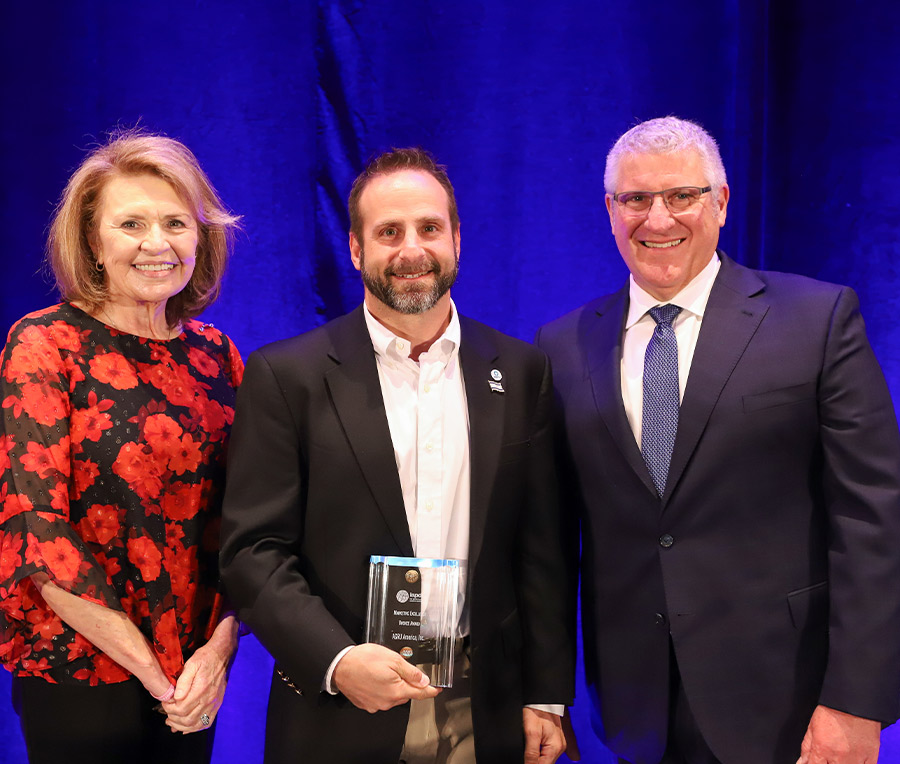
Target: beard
{"x": 415, "y": 297}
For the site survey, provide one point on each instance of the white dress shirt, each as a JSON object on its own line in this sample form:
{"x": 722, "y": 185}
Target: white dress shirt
{"x": 428, "y": 416}
{"x": 425, "y": 401}
{"x": 639, "y": 326}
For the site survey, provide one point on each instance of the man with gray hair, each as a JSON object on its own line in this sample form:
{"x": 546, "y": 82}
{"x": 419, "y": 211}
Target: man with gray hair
{"x": 730, "y": 443}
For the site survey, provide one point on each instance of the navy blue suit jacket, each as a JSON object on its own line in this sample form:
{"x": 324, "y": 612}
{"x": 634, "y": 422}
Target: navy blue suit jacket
{"x": 779, "y": 582}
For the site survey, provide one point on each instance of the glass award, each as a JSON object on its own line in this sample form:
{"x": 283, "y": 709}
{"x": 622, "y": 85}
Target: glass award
{"x": 412, "y": 610}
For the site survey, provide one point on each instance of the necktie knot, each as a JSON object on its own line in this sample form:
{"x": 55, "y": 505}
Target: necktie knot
{"x": 664, "y": 315}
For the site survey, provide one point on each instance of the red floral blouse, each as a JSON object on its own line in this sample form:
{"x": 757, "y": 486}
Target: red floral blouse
{"x": 112, "y": 457}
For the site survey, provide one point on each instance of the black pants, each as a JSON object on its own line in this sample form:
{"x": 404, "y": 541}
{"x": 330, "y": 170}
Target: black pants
{"x": 107, "y": 724}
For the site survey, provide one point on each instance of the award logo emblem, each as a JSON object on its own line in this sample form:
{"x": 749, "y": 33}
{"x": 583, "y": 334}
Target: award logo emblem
{"x": 412, "y": 576}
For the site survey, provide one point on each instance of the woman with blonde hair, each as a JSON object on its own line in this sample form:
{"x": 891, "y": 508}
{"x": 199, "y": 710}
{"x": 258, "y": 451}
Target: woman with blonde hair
{"x": 116, "y": 410}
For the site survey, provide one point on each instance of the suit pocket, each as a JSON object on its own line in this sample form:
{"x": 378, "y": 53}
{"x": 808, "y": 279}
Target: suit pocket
{"x": 513, "y": 452}
{"x": 783, "y": 396}
{"x": 809, "y": 605}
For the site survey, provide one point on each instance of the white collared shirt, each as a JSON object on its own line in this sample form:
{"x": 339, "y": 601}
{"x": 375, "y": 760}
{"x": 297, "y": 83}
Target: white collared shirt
{"x": 639, "y": 326}
{"x": 426, "y": 408}
{"x": 428, "y": 416}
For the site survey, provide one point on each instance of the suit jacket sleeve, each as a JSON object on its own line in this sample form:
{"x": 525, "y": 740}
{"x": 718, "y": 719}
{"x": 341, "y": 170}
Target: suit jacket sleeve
{"x": 547, "y": 554}
{"x": 861, "y": 484}
{"x": 262, "y": 530}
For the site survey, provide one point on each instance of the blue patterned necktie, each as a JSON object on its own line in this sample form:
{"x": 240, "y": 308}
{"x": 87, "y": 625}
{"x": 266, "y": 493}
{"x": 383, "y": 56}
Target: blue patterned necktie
{"x": 660, "y": 415}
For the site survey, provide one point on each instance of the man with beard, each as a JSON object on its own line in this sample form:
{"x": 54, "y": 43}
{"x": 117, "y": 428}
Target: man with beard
{"x": 401, "y": 429}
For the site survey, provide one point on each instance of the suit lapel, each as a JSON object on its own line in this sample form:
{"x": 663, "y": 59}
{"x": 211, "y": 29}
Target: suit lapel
{"x": 478, "y": 357}
{"x": 356, "y": 393}
{"x": 733, "y": 314}
{"x": 603, "y": 341}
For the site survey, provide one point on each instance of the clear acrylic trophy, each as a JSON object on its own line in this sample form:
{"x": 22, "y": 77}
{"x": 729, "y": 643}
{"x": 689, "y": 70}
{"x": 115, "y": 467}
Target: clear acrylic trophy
{"x": 413, "y": 610}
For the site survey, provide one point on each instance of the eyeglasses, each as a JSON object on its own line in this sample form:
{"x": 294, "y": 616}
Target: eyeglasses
{"x": 677, "y": 200}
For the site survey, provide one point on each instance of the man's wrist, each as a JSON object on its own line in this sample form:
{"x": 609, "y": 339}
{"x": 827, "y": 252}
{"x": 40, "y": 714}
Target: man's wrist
{"x": 551, "y": 708}
{"x": 327, "y": 683}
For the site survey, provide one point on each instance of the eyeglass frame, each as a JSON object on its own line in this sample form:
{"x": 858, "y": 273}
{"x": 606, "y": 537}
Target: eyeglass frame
{"x": 651, "y": 194}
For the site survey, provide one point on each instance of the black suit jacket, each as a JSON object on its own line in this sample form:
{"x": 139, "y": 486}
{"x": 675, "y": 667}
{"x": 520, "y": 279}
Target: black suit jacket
{"x": 773, "y": 557}
{"x": 313, "y": 491}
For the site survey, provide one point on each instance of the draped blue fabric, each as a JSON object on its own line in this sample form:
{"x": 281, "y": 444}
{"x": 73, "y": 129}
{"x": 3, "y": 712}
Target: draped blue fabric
{"x": 283, "y": 101}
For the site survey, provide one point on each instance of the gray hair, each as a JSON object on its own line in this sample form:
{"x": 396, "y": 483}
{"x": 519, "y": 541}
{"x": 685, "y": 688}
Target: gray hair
{"x": 666, "y": 135}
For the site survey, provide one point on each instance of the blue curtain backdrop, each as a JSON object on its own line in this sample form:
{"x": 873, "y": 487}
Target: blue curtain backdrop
{"x": 283, "y": 101}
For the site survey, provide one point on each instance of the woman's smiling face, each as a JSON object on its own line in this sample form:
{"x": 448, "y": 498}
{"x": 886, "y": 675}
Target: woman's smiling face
{"x": 145, "y": 237}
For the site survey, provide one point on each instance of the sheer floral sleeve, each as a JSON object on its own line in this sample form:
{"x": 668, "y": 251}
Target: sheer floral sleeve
{"x": 111, "y": 467}
{"x": 40, "y": 469}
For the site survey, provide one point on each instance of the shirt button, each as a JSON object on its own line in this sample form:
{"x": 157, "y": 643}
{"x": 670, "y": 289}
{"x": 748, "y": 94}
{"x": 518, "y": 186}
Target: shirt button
{"x": 400, "y": 345}
{"x": 428, "y": 446}
{"x": 427, "y": 388}
{"x": 666, "y": 540}
{"x": 429, "y": 505}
